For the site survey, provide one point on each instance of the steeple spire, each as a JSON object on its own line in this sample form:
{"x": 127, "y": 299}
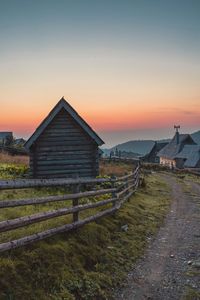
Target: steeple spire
{"x": 177, "y": 127}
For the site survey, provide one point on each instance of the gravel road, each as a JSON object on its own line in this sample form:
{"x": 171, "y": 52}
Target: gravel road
{"x": 170, "y": 268}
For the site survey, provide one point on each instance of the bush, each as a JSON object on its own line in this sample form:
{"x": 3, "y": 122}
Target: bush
{"x": 9, "y": 171}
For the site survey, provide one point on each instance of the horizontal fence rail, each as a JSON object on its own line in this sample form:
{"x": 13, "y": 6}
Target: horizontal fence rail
{"x": 34, "y": 183}
{"x": 42, "y": 200}
{"x": 121, "y": 189}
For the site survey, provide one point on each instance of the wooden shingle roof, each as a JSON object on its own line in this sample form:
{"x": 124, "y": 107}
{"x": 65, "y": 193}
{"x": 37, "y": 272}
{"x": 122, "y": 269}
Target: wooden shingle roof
{"x": 171, "y": 150}
{"x": 63, "y": 104}
{"x": 191, "y": 154}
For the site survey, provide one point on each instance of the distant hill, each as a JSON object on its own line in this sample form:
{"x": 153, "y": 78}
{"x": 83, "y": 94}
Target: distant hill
{"x": 139, "y": 147}
{"x": 142, "y": 147}
{"x": 196, "y": 137}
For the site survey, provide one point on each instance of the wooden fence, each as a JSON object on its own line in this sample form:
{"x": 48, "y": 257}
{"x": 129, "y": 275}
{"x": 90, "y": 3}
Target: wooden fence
{"x": 120, "y": 189}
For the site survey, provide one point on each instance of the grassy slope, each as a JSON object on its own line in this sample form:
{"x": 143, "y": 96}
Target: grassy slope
{"x": 87, "y": 263}
{"x": 13, "y": 166}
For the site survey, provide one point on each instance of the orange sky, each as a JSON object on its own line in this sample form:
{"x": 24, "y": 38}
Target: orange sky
{"x": 25, "y": 115}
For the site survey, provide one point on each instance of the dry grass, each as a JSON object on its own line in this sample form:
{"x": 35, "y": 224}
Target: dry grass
{"x": 14, "y": 159}
{"x": 114, "y": 168}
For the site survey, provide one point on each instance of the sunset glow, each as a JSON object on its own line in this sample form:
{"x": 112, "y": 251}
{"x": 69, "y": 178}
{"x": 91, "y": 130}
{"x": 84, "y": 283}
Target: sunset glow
{"x": 130, "y": 68}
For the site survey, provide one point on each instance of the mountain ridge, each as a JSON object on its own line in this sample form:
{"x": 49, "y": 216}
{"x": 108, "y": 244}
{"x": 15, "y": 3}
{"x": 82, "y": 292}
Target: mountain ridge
{"x": 143, "y": 147}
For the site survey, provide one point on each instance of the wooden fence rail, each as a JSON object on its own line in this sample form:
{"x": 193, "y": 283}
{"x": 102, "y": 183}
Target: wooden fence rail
{"x": 121, "y": 189}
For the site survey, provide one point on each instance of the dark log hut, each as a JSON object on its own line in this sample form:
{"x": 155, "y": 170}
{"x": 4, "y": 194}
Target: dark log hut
{"x": 64, "y": 145}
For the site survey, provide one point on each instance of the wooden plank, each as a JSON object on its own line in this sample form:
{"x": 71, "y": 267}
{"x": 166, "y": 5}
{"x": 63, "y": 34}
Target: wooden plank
{"x": 29, "y": 183}
{"x": 55, "y": 131}
{"x": 65, "y": 138}
{"x": 58, "y": 160}
{"x": 58, "y": 120}
{"x": 61, "y": 129}
{"x": 63, "y": 176}
{"x": 63, "y": 143}
{"x": 42, "y": 200}
{"x": 64, "y": 162}
{"x": 65, "y": 169}
{"x": 63, "y": 118}
{"x": 65, "y": 172}
{"x": 58, "y": 157}
{"x": 52, "y": 134}
{"x": 50, "y": 232}
{"x": 62, "y": 124}
{"x": 64, "y": 148}
{"x": 67, "y": 152}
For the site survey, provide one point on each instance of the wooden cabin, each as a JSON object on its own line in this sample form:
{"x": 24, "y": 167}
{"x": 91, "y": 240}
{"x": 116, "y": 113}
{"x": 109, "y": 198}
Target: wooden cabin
{"x": 64, "y": 145}
{"x": 169, "y": 154}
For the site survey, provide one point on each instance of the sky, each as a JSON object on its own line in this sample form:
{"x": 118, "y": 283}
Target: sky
{"x": 130, "y": 68}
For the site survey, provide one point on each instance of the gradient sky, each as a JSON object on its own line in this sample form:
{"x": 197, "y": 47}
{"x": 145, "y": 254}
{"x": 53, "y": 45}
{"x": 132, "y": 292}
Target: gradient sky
{"x": 131, "y": 68}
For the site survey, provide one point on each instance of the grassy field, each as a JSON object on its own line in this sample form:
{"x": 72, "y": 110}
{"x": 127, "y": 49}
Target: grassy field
{"x": 87, "y": 263}
{"x": 13, "y": 166}
{"x": 114, "y": 168}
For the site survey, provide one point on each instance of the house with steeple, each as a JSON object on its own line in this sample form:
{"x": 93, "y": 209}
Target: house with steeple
{"x": 169, "y": 155}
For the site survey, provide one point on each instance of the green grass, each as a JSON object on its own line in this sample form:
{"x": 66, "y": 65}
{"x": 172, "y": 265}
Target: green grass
{"x": 12, "y": 171}
{"x": 87, "y": 263}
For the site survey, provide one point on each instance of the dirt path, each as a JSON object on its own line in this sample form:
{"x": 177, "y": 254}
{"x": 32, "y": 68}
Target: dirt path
{"x": 170, "y": 269}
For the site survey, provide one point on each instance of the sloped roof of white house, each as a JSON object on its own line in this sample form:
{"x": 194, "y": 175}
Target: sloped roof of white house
{"x": 191, "y": 153}
{"x": 60, "y": 105}
{"x": 171, "y": 150}
{"x": 4, "y": 134}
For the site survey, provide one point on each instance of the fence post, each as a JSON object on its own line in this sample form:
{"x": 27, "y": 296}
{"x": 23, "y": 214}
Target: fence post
{"x": 134, "y": 174}
{"x": 138, "y": 175}
{"x": 127, "y": 185}
{"x": 75, "y": 202}
{"x": 114, "y": 194}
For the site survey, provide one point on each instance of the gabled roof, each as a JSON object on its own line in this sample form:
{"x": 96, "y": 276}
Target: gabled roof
{"x": 191, "y": 154}
{"x": 156, "y": 147}
{"x": 60, "y": 105}
{"x": 159, "y": 145}
{"x": 171, "y": 150}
